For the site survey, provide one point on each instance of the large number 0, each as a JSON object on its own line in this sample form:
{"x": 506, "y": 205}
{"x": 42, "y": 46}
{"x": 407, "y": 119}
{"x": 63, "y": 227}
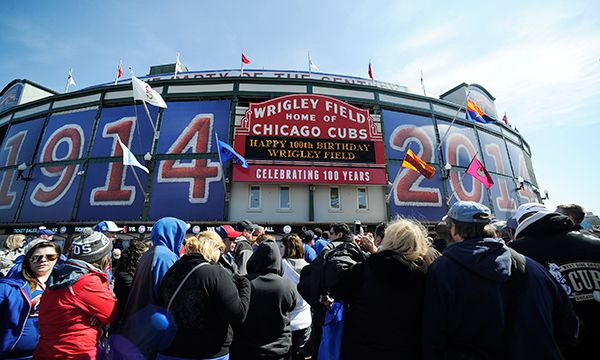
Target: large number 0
{"x": 504, "y": 202}
{"x": 455, "y": 144}
{"x": 72, "y": 136}
{"x": 114, "y": 191}
{"x": 13, "y": 146}
{"x": 199, "y": 173}
{"x": 408, "y": 190}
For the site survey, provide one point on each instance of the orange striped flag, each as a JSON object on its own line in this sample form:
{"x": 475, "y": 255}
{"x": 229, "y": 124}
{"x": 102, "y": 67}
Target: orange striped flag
{"x": 415, "y": 163}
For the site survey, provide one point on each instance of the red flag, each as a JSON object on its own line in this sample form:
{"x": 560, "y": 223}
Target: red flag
{"x": 478, "y": 171}
{"x": 371, "y": 71}
{"x": 119, "y": 73}
{"x": 245, "y": 60}
{"x": 505, "y": 119}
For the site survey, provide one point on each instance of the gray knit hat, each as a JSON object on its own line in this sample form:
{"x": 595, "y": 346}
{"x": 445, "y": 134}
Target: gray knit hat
{"x": 91, "y": 246}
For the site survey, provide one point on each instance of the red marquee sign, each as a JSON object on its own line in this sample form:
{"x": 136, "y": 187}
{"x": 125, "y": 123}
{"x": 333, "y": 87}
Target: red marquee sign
{"x": 311, "y": 139}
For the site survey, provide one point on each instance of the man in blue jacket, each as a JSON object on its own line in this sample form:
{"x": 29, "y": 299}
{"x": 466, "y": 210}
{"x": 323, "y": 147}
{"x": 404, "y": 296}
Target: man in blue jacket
{"x": 484, "y": 301}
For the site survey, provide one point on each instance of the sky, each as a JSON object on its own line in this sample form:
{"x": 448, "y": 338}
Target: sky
{"x": 539, "y": 59}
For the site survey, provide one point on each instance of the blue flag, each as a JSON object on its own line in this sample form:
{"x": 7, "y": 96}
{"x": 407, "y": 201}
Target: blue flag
{"x": 227, "y": 153}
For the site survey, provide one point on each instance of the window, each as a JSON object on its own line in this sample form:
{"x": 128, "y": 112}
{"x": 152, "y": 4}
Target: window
{"x": 284, "y": 197}
{"x": 254, "y": 197}
{"x": 334, "y": 198}
{"x": 363, "y": 201}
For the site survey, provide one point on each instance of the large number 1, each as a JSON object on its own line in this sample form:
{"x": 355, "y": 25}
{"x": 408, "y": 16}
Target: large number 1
{"x": 114, "y": 191}
{"x": 13, "y": 146}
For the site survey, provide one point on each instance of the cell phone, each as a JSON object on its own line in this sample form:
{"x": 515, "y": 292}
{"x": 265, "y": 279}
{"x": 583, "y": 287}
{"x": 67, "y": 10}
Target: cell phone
{"x": 357, "y": 228}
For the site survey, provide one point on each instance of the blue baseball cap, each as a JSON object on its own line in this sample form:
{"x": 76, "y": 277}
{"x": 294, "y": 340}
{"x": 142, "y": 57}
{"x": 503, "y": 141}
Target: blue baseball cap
{"x": 106, "y": 225}
{"x": 469, "y": 212}
{"x": 42, "y": 230}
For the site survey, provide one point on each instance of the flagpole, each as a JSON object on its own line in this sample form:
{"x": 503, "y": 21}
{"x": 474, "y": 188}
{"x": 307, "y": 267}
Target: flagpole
{"x": 396, "y": 178}
{"x": 149, "y": 117}
{"x": 443, "y": 138}
{"x": 242, "y": 64}
{"x": 309, "y": 68}
{"x": 138, "y": 180}
{"x": 120, "y": 67}
{"x": 423, "y": 84}
{"x": 221, "y": 162}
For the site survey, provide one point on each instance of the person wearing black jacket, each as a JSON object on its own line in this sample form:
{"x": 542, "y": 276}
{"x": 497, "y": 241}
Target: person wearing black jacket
{"x": 206, "y": 305}
{"x": 573, "y": 258}
{"x": 392, "y": 278}
{"x": 266, "y": 332}
{"x": 484, "y": 301}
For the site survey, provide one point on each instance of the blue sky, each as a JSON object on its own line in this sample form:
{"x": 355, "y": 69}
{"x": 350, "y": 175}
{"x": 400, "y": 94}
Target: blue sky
{"x": 541, "y": 60}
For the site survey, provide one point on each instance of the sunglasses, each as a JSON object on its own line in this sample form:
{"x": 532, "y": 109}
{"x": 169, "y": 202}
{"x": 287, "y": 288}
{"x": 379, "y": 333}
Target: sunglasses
{"x": 49, "y": 257}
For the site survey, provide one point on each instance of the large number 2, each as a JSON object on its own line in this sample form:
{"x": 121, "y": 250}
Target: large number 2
{"x": 408, "y": 191}
{"x": 198, "y": 172}
{"x": 72, "y": 136}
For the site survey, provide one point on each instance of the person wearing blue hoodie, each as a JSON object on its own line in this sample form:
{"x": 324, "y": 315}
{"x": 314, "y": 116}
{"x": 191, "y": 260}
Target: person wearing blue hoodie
{"x": 136, "y": 336}
{"x": 484, "y": 301}
{"x": 19, "y": 301}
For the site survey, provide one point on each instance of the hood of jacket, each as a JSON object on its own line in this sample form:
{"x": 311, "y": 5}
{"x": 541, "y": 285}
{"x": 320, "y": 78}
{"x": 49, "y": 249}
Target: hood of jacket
{"x": 544, "y": 223}
{"x": 169, "y": 232}
{"x": 487, "y": 257}
{"x": 266, "y": 259}
{"x": 389, "y": 262}
{"x": 69, "y": 273}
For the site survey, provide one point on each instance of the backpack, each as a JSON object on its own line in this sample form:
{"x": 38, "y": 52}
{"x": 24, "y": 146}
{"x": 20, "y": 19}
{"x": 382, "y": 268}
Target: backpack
{"x": 315, "y": 281}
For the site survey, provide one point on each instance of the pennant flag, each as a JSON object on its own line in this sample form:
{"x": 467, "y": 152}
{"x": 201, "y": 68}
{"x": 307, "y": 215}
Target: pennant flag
{"x": 505, "y": 119}
{"x": 245, "y": 60}
{"x": 70, "y": 81}
{"x": 478, "y": 171}
{"x": 130, "y": 159}
{"x": 143, "y": 91}
{"x": 423, "y": 84}
{"x": 226, "y": 152}
{"x": 371, "y": 71}
{"x": 178, "y": 66}
{"x": 415, "y": 163}
{"x": 475, "y": 114}
{"x": 119, "y": 72}
{"x": 311, "y": 64}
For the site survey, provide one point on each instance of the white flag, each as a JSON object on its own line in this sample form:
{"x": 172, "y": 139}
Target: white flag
{"x": 70, "y": 80}
{"x": 178, "y": 66}
{"x": 130, "y": 159}
{"x": 143, "y": 91}
{"x": 311, "y": 64}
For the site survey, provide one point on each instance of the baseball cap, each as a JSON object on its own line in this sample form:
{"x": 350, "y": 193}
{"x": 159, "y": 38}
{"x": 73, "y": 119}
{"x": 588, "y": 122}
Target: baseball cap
{"x": 106, "y": 225}
{"x": 528, "y": 208}
{"x": 244, "y": 225}
{"x": 42, "y": 230}
{"x": 227, "y": 231}
{"x": 469, "y": 212}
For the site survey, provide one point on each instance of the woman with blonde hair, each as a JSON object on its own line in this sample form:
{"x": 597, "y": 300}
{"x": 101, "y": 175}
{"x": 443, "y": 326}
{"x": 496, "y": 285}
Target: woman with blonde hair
{"x": 385, "y": 292}
{"x": 204, "y": 300}
{"x": 11, "y": 249}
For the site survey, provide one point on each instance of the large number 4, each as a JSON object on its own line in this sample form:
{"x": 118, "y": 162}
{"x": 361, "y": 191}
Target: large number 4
{"x": 199, "y": 173}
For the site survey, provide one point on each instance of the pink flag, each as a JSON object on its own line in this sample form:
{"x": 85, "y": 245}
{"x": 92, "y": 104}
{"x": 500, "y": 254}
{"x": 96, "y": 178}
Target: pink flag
{"x": 505, "y": 119}
{"x": 371, "y": 71}
{"x": 478, "y": 171}
{"x": 245, "y": 60}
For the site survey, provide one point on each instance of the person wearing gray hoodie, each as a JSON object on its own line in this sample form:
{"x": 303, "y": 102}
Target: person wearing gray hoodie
{"x": 266, "y": 332}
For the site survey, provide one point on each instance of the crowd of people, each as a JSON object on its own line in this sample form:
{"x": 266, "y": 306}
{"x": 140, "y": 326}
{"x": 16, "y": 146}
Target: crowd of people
{"x": 525, "y": 288}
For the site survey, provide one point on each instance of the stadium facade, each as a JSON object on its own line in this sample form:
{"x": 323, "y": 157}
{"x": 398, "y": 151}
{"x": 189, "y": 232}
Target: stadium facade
{"x": 320, "y": 147}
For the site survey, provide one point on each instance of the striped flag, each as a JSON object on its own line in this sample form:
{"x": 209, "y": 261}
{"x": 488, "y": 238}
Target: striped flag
{"x": 415, "y": 163}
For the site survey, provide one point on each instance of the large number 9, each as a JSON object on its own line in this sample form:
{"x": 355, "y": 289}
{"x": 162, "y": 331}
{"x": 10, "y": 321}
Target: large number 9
{"x": 72, "y": 136}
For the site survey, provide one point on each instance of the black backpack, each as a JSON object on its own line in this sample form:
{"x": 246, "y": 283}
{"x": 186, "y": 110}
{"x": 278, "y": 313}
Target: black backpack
{"x": 313, "y": 280}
